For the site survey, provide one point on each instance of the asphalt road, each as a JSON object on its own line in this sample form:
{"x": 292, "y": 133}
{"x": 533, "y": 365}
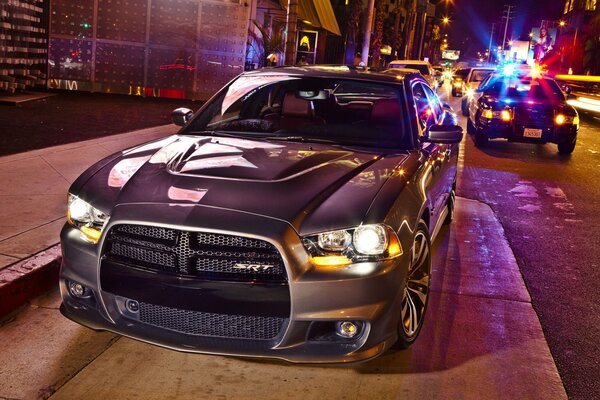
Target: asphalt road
{"x": 549, "y": 206}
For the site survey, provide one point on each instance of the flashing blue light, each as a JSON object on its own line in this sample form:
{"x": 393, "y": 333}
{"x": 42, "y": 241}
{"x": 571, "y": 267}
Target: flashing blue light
{"x": 508, "y": 70}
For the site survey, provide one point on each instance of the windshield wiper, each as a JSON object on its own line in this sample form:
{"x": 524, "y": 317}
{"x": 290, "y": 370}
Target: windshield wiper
{"x": 302, "y": 139}
{"x": 232, "y": 134}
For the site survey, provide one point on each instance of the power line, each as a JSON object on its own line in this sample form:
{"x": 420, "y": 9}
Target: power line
{"x": 491, "y": 37}
{"x": 506, "y": 16}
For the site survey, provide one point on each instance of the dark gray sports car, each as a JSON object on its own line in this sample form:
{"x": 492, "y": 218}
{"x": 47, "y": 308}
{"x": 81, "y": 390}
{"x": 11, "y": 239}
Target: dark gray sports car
{"x": 291, "y": 217}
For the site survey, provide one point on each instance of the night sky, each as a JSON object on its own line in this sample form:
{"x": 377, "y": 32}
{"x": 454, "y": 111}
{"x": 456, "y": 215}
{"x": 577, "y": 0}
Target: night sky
{"x": 469, "y": 30}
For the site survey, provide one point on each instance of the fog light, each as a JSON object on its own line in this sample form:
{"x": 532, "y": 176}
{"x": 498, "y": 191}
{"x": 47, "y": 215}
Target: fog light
{"x": 347, "y": 329}
{"x": 76, "y": 289}
{"x": 132, "y": 306}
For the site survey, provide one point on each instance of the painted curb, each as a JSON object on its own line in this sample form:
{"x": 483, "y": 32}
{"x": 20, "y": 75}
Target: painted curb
{"x": 29, "y": 278}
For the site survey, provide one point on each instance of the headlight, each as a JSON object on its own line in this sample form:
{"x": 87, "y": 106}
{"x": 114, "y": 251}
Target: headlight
{"x": 458, "y": 84}
{"x": 370, "y": 239}
{"x": 470, "y": 92}
{"x": 346, "y": 246}
{"x": 86, "y": 218}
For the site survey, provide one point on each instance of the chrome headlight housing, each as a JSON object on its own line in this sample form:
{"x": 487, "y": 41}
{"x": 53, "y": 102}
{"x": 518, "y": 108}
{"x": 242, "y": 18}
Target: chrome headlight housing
{"x": 88, "y": 219}
{"x": 373, "y": 242}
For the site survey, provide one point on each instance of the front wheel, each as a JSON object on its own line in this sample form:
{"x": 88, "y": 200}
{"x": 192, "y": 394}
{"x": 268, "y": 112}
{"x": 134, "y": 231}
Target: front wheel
{"x": 566, "y": 147}
{"x": 464, "y": 108}
{"x": 415, "y": 294}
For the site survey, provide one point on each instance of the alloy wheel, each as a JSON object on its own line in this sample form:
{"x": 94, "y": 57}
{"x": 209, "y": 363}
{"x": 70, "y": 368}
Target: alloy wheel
{"x": 416, "y": 290}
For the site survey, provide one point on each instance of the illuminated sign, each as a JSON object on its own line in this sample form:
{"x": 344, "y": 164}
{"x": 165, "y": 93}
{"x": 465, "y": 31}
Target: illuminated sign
{"x": 450, "y": 54}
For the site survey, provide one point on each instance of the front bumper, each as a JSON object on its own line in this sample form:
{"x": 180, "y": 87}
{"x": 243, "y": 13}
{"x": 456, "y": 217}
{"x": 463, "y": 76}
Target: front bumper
{"x": 369, "y": 293}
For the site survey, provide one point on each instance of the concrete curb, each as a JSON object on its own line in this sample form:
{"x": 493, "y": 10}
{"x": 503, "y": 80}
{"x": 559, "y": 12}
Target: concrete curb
{"x": 29, "y": 278}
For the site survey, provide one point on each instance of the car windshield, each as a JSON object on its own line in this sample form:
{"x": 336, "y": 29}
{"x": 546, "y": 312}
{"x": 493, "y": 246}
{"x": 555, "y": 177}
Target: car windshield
{"x": 538, "y": 89}
{"x": 422, "y": 68}
{"x": 284, "y": 107}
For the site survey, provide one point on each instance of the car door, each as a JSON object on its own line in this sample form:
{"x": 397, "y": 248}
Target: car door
{"x": 431, "y": 112}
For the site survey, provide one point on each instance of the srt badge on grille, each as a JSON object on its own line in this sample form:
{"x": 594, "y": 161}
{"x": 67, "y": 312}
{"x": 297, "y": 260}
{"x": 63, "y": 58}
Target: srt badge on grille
{"x": 253, "y": 267}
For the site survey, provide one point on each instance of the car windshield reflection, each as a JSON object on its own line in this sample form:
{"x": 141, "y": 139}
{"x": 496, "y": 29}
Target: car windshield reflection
{"x": 318, "y": 110}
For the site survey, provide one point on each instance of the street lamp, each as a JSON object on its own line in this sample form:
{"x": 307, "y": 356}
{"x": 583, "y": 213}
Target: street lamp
{"x": 445, "y": 20}
{"x": 562, "y": 23}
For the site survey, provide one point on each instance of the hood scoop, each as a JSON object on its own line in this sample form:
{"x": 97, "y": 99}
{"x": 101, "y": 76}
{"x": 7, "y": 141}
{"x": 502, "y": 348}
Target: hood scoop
{"x": 232, "y": 158}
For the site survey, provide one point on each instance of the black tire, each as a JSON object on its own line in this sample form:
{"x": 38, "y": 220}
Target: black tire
{"x": 566, "y": 148}
{"x": 480, "y": 139}
{"x": 454, "y": 93}
{"x": 464, "y": 108}
{"x": 416, "y": 288}
{"x": 450, "y": 204}
{"x": 470, "y": 127}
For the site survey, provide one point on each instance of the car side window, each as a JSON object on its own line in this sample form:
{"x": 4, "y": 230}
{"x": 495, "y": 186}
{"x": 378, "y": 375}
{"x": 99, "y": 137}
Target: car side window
{"x": 434, "y": 103}
{"x": 422, "y": 104}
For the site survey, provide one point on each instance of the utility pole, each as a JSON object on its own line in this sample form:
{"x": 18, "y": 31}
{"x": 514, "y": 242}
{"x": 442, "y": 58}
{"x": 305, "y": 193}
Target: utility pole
{"x": 290, "y": 36}
{"x": 491, "y": 38}
{"x": 506, "y": 15}
{"x": 367, "y": 38}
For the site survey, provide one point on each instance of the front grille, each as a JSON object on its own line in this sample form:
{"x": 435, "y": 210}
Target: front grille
{"x": 535, "y": 118}
{"x": 209, "y": 324}
{"x": 199, "y": 254}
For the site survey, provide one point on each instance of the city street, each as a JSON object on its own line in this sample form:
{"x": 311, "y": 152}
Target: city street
{"x": 482, "y": 323}
{"x": 548, "y": 205}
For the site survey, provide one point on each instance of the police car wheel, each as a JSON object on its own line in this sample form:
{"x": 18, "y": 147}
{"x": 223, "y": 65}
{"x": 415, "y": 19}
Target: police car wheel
{"x": 470, "y": 127}
{"x": 566, "y": 147}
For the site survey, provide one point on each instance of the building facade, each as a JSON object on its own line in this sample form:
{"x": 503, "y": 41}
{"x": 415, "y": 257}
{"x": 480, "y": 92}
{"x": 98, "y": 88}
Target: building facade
{"x": 163, "y": 48}
{"x": 23, "y": 44}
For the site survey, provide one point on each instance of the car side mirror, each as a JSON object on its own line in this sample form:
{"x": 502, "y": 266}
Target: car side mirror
{"x": 444, "y": 134}
{"x": 181, "y": 116}
{"x": 567, "y": 89}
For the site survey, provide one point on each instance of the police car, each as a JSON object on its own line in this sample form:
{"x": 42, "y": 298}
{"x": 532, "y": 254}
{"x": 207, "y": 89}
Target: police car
{"x": 522, "y": 106}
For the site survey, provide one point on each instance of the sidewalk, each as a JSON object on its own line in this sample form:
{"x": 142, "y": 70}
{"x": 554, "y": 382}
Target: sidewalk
{"x": 481, "y": 340}
{"x": 33, "y": 195}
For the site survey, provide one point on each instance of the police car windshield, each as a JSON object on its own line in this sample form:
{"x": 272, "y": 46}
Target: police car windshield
{"x": 538, "y": 89}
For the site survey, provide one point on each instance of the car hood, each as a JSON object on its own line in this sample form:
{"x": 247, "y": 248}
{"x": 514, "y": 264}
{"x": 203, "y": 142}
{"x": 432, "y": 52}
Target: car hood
{"x": 314, "y": 187}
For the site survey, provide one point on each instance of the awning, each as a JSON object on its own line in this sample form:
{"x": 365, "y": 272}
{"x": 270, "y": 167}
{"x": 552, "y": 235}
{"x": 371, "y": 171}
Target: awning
{"x": 317, "y": 13}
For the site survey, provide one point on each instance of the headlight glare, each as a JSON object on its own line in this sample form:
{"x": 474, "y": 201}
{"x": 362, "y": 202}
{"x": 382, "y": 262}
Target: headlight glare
{"x": 370, "y": 239}
{"x": 78, "y": 209}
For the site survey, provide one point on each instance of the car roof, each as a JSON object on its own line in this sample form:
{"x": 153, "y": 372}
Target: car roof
{"x": 410, "y": 62}
{"x": 337, "y": 72}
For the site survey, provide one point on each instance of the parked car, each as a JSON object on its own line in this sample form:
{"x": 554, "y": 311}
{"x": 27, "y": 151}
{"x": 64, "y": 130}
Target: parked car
{"x": 422, "y": 66}
{"x": 522, "y": 108}
{"x": 291, "y": 217}
{"x": 458, "y": 80}
{"x": 474, "y": 78}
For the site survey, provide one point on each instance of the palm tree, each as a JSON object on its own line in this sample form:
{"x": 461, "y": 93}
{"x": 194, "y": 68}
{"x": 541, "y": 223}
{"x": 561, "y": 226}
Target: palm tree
{"x": 377, "y": 39}
{"x": 356, "y": 8}
{"x": 264, "y": 43}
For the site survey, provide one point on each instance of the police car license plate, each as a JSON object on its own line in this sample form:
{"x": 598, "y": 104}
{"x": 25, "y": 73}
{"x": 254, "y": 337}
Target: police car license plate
{"x": 532, "y": 133}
